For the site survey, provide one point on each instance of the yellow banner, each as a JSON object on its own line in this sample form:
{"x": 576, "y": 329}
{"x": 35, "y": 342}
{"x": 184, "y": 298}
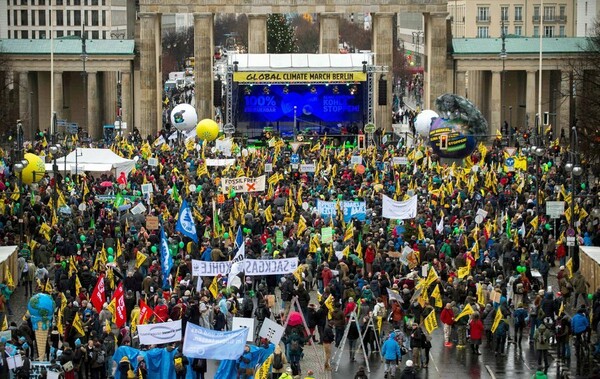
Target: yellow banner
{"x": 298, "y": 77}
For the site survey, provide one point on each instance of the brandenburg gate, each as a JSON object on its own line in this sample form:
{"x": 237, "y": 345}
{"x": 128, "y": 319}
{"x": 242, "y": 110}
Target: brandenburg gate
{"x": 329, "y": 13}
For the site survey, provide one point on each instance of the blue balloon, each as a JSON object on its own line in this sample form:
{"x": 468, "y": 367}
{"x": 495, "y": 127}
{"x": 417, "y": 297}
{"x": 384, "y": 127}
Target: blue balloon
{"x": 41, "y": 309}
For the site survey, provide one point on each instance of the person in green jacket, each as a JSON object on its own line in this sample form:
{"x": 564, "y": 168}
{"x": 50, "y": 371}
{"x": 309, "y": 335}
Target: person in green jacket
{"x": 539, "y": 375}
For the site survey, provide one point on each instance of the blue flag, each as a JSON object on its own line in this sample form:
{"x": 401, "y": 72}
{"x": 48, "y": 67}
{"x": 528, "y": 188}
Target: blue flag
{"x": 185, "y": 222}
{"x": 166, "y": 261}
{"x": 239, "y": 239}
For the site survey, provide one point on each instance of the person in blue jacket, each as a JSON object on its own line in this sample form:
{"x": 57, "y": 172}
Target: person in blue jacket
{"x": 580, "y": 322}
{"x": 245, "y": 367}
{"x": 392, "y": 354}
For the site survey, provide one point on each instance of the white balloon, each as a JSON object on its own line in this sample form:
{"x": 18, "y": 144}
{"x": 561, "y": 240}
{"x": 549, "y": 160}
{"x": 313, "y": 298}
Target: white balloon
{"x": 423, "y": 122}
{"x": 184, "y": 117}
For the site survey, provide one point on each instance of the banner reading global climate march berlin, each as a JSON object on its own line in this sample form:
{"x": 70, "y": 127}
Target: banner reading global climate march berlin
{"x": 251, "y": 267}
{"x": 205, "y": 343}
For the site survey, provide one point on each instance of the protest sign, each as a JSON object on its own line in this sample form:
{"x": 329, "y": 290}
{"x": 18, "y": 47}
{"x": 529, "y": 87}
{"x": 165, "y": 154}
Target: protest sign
{"x": 251, "y": 267}
{"x": 243, "y": 322}
{"x": 327, "y": 235}
{"x": 163, "y": 332}
{"x": 354, "y": 209}
{"x": 326, "y": 208}
{"x": 243, "y": 184}
{"x": 205, "y": 343}
{"x": 271, "y": 331}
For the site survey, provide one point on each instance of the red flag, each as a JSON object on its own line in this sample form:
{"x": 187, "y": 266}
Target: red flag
{"x": 121, "y": 315}
{"x": 145, "y": 312}
{"x": 99, "y": 295}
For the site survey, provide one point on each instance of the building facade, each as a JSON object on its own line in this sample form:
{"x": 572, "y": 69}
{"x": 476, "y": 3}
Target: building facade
{"x": 522, "y": 18}
{"x": 32, "y": 19}
{"x": 587, "y": 11}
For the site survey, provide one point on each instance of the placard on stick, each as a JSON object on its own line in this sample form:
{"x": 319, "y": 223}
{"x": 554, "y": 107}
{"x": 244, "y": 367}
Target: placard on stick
{"x": 152, "y": 222}
{"x": 243, "y": 322}
{"x": 271, "y": 331}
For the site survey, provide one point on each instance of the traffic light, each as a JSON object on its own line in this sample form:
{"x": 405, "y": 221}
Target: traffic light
{"x": 444, "y": 142}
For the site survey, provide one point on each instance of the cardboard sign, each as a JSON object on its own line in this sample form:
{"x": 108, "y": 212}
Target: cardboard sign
{"x": 243, "y": 322}
{"x": 271, "y": 331}
{"x": 152, "y": 222}
{"x": 138, "y": 209}
{"x": 268, "y": 167}
{"x": 308, "y": 167}
{"x": 220, "y": 198}
{"x": 152, "y": 162}
{"x": 356, "y": 159}
{"x": 400, "y": 160}
{"x": 279, "y": 238}
{"x": 327, "y": 235}
{"x": 147, "y": 188}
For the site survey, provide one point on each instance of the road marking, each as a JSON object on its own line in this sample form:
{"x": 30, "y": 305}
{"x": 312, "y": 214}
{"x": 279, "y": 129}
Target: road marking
{"x": 433, "y": 361}
{"x": 489, "y": 370}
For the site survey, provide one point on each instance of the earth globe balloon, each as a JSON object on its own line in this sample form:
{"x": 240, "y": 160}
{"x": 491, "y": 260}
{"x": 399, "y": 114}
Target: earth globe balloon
{"x": 35, "y": 169}
{"x": 41, "y": 309}
{"x": 207, "y": 130}
{"x": 184, "y": 117}
{"x": 423, "y": 122}
{"x": 459, "y": 129}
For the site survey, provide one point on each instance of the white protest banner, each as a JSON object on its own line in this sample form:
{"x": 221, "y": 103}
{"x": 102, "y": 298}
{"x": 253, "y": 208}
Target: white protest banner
{"x": 219, "y": 162}
{"x": 138, "y": 209}
{"x": 308, "y": 167}
{"x": 152, "y": 162}
{"x": 243, "y": 322}
{"x": 399, "y": 210}
{"x": 326, "y": 208}
{"x": 268, "y": 167}
{"x": 482, "y": 213}
{"x": 156, "y": 334}
{"x": 224, "y": 145}
{"x": 400, "y": 160}
{"x": 243, "y": 184}
{"x": 147, "y": 188}
{"x": 271, "y": 331}
{"x": 251, "y": 267}
{"x": 355, "y": 159}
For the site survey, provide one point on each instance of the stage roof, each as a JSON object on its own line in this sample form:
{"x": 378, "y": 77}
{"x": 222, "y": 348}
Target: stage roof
{"x": 296, "y": 62}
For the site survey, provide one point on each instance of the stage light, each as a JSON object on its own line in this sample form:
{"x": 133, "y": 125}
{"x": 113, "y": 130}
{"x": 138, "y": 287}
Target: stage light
{"x": 313, "y": 89}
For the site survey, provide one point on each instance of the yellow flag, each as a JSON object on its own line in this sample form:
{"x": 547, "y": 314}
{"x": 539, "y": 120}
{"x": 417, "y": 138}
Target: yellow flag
{"x": 430, "y": 322}
{"x": 59, "y": 324}
{"x": 497, "y": 319}
{"x": 534, "y": 223}
{"x": 420, "y": 234}
{"x": 78, "y": 324}
{"x": 467, "y": 310}
{"x": 358, "y": 250}
{"x": 464, "y": 271}
{"x": 329, "y": 305}
{"x": 432, "y": 276}
{"x": 48, "y": 287}
{"x": 119, "y": 249}
{"x": 140, "y": 258}
{"x": 5, "y": 323}
{"x": 437, "y": 296}
{"x": 77, "y": 285}
{"x": 268, "y": 214}
{"x": 298, "y": 273}
{"x": 379, "y": 323}
{"x": 45, "y": 231}
{"x": 8, "y": 277}
{"x": 301, "y": 226}
{"x": 214, "y": 287}
{"x": 349, "y": 233}
{"x": 569, "y": 266}
{"x": 346, "y": 251}
{"x": 480, "y": 295}
{"x": 263, "y": 370}
{"x": 561, "y": 309}
{"x": 72, "y": 266}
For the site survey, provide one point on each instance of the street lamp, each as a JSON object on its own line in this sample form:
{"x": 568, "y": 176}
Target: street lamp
{"x": 503, "y": 57}
{"x": 54, "y": 151}
{"x": 575, "y": 170}
{"x": 84, "y": 58}
{"x": 18, "y": 169}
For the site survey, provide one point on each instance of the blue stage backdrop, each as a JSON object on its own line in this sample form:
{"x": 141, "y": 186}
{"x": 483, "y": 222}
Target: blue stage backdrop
{"x": 319, "y": 103}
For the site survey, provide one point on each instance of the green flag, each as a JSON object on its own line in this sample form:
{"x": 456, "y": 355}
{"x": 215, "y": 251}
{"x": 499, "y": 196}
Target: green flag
{"x": 92, "y": 223}
{"x": 508, "y": 227}
{"x": 175, "y": 193}
{"x": 119, "y": 200}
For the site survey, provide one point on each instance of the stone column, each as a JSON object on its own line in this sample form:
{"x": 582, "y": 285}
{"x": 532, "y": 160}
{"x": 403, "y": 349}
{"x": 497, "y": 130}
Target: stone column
{"x": 58, "y": 95}
{"x": 436, "y": 51}
{"x": 126, "y": 98}
{"x": 564, "y": 110}
{"x": 530, "y": 98}
{"x": 329, "y": 32}
{"x": 203, "y": 52}
{"x": 257, "y": 33}
{"x": 496, "y": 102}
{"x": 109, "y": 84}
{"x": 460, "y": 84}
{"x": 383, "y": 47}
{"x": 94, "y": 125}
{"x": 150, "y": 110}
{"x": 24, "y": 101}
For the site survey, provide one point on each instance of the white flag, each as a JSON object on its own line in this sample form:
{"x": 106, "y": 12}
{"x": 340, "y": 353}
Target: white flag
{"x": 440, "y": 226}
{"x": 399, "y": 210}
{"x": 523, "y": 229}
{"x": 237, "y": 266}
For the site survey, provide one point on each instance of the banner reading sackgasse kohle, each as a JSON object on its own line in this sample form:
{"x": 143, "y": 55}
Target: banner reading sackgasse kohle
{"x": 251, "y": 267}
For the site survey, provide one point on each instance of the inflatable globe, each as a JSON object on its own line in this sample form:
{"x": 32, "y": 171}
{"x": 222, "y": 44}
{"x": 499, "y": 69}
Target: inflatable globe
{"x": 41, "y": 309}
{"x": 35, "y": 169}
{"x": 423, "y": 122}
{"x": 207, "y": 130}
{"x": 184, "y": 117}
{"x": 458, "y": 145}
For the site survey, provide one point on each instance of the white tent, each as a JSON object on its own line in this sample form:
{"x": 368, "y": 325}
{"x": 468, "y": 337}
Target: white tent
{"x": 93, "y": 160}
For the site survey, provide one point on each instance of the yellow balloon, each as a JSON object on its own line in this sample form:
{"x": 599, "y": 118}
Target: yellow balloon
{"x": 35, "y": 169}
{"x": 207, "y": 130}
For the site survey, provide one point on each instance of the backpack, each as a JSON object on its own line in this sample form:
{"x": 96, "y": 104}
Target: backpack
{"x": 178, "y": 361}
{"x": 521, "y": 318}
{"x": 277, "y": 361}
{"x": 542, "y": 337}
{"x": 295, "y": 345}
{"x": 101, "y": 357}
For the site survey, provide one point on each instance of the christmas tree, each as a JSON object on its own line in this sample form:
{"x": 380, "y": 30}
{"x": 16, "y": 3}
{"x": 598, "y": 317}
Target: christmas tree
{"x": 280, "y": 35}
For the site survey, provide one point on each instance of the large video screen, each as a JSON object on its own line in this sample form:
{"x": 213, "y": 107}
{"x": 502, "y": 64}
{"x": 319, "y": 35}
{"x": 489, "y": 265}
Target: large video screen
{"x": 320, "y": 103}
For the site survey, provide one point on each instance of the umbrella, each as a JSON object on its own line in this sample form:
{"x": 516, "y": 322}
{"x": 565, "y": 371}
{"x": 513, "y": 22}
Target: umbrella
{"x": 106, "y": 184}
{"x": 295, "y": 319}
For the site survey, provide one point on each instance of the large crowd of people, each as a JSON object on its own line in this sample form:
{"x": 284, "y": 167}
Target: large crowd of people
{"x": 476, "y": 257}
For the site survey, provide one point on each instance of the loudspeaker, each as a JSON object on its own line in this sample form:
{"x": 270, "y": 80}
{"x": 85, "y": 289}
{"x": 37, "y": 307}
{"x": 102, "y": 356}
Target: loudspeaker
{"x": 217, "y": 93}
{"x": 382, "y": 92}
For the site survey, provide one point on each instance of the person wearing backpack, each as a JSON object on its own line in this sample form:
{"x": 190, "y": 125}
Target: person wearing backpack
{"x": 520, "y": 315}
{"x": 279, "y": 362}
{"x": 245, "y": 367}
{"x": 180, "y": 362}
{"x": 98, "y": 361}
{"x": 542, "y": 342}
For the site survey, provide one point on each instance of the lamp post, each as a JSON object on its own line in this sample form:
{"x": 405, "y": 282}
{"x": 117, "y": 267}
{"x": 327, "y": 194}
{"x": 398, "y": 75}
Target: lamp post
{"x": 575, "y": 170}
{"x": 84, "y": 57}
{"x": 18, "y": 169}
{"x": 54, "y": 151}
{"x": 503, "y": 56}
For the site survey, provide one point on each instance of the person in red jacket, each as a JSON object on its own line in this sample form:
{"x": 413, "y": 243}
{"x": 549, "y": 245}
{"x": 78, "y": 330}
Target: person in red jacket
{"x": 350, "y": 307}
{"x": 476, "y": 332}
{"x": 369, "y": 257}
{"x": 326, "y": 275}
{"x": 447, "y": 318}
{"x": 161, "y": 311}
